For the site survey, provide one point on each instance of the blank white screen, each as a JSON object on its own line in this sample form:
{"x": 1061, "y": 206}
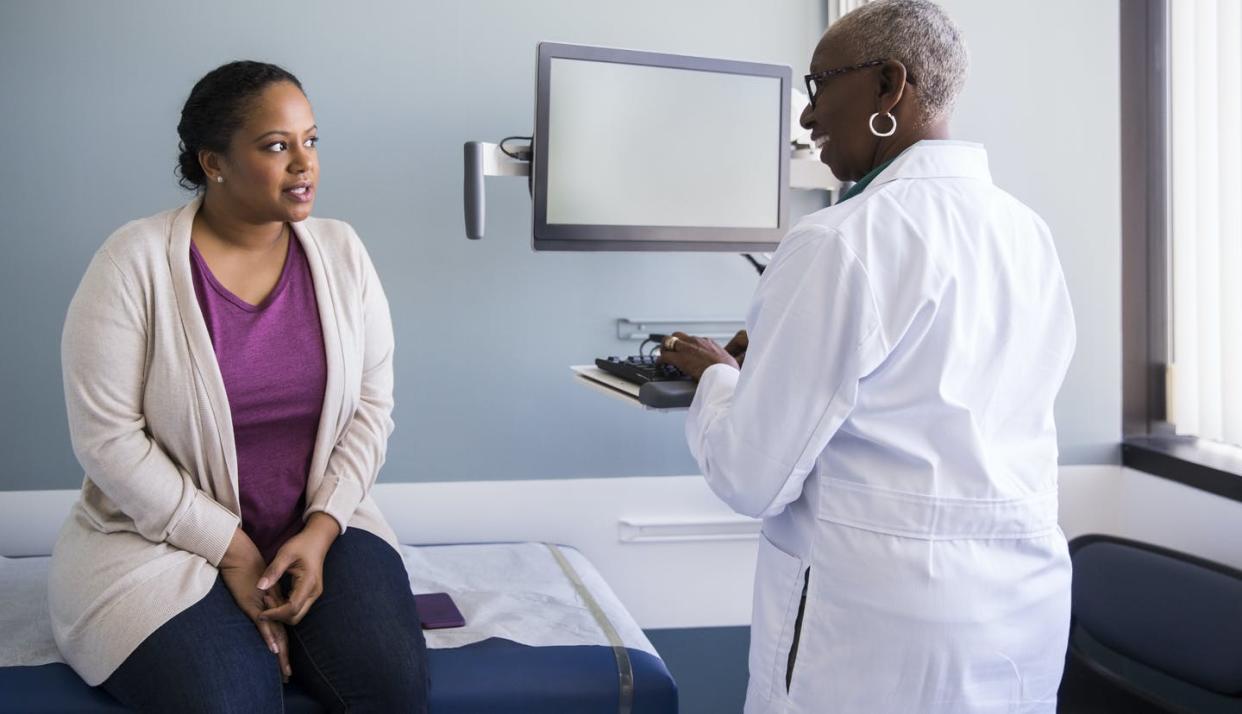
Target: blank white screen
{"x": 635, "y": 145}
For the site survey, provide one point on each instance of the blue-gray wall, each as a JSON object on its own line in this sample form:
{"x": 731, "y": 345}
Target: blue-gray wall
{"x": 89, "y": 99}
{"x": 485, "y": 331}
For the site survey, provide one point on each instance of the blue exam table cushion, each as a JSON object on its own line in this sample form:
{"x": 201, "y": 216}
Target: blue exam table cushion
{"x": 490, "y": 676}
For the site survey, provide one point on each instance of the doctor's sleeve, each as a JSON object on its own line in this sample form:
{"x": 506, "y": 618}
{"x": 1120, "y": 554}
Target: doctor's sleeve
{"x": 103, "y": 358}
{"x": 359, "y": 453}
{"x": 814, "y": 334}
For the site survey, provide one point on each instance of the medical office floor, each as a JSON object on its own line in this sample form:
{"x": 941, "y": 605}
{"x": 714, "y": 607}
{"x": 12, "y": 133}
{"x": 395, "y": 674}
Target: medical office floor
{"x": 709, "y": 666}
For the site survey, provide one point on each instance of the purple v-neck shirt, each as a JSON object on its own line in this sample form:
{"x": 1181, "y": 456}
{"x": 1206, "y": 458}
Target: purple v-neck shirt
{"x": 271, "y": 356}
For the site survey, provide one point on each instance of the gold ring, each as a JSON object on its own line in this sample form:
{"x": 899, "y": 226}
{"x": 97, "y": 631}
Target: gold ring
{"x": 670, "y": 343}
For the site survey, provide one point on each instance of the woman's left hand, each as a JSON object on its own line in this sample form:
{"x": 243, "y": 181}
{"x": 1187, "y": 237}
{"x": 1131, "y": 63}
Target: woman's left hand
{"x": 272, "y": 599}
{"x": 693, "y": 355}
{"x": 302, "y": 558}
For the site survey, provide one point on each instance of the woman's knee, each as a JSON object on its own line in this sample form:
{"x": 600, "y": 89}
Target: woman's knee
{"x": 361, "y": 662}
{"x": 208, "y": 658}
{"x": 214, "y": 688}
{"x": 363, "y": 575}
{"x": 367, "y": 614}
{"x": 358, "y": 552}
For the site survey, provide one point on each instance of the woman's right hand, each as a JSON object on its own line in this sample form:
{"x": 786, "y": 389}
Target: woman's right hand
{"x": 241, "y": 567}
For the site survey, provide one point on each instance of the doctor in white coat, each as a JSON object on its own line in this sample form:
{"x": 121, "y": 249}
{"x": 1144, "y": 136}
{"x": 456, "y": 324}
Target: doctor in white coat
{"x": 892, "y": 418}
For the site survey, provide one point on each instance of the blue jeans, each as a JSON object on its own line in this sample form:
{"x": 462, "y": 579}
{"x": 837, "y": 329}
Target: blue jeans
{"x": 360, "y": 648}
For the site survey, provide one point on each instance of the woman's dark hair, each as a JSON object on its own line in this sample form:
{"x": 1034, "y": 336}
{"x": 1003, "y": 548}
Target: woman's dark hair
{"x": 216, "y": 108}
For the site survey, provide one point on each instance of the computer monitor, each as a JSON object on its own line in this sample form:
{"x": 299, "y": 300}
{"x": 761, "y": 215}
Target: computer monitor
{"x": 656, "y": 152}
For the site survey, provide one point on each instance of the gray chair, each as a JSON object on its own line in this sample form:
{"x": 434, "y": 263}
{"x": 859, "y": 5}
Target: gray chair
{"x": 1153, "y": 630}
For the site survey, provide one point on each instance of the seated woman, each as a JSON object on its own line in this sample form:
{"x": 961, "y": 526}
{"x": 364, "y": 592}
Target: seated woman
{"x": 228, "y": 377}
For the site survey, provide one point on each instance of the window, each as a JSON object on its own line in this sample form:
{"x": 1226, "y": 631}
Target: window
{"x": 1181, "y": 189}
{"x": 1205, "y": 156}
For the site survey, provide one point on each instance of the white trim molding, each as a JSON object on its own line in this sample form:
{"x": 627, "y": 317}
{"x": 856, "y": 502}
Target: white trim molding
{"x": 675, "y": 555}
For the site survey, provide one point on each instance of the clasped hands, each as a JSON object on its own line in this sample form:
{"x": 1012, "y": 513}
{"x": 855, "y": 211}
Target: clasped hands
{"x": 693, "y": 355}
{"x": 256, "y": 586}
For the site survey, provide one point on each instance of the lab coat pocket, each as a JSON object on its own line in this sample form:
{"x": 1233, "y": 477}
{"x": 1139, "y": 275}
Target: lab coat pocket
{"x": 778, "y": 591}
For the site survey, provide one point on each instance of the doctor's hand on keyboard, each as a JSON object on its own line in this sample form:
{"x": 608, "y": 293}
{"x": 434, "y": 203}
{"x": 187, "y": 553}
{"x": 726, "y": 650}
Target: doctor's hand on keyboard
{"x": 640, "y": 369}
{"x": 693, "y": 355}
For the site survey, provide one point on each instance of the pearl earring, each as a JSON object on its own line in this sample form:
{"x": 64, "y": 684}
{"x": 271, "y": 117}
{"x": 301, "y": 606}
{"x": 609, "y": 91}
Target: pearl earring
{"x": 219, "y": 179}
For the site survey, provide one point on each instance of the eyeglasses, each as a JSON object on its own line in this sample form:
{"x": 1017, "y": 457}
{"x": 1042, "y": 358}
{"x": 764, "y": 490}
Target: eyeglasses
{"x": 814, "y": 82}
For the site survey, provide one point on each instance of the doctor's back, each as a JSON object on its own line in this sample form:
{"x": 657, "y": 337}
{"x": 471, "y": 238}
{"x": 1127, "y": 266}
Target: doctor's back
{"x": 910, "y": 557}
{"x": 892, "y": 420}
{"x": 974, "y": 321}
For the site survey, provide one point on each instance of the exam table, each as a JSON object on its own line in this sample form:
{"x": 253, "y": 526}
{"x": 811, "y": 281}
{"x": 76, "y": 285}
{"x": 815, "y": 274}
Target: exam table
{"x": 544, "y": 633}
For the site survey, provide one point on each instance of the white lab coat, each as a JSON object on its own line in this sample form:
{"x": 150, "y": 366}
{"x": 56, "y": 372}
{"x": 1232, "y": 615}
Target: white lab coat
{"x": 893, "y": 426}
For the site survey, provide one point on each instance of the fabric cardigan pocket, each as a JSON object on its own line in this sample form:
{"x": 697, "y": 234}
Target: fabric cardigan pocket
{"x": 778, "y": 589}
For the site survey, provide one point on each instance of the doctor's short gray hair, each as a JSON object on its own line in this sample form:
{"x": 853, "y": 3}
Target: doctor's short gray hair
{"x": 918, "y": 34}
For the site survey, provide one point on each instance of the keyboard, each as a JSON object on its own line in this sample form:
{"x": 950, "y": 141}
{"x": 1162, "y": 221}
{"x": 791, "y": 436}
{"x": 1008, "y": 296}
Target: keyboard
{"x": 640, "y": 369}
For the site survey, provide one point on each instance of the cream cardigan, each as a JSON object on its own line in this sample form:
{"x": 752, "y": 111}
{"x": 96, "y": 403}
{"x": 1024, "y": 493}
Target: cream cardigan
{"x": 150, "y": 424}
